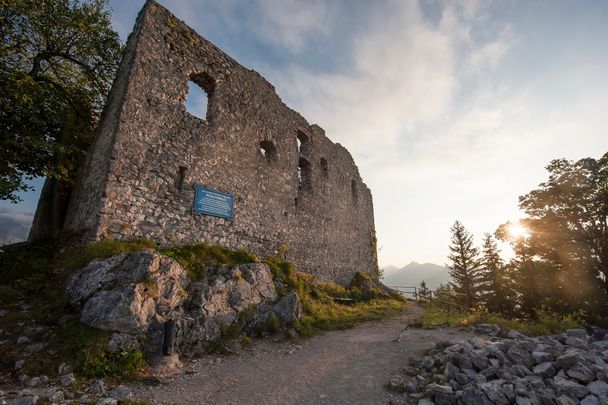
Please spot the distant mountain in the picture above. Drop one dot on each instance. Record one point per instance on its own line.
(414, 273)
(390, 270)
(14, 225)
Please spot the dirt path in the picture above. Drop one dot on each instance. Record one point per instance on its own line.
(342, 367)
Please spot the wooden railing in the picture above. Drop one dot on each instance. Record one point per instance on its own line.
(427, 296)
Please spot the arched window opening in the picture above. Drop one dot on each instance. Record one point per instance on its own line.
(200, 92)
(303, 142)
(268, 150)
(304, 182)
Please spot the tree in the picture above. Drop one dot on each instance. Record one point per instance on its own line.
(57, 62)
(464, 267)
(496, 286)
(563, 264)
(423, 291)
(568, 223)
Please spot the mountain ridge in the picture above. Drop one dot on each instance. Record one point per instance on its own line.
(412, 274)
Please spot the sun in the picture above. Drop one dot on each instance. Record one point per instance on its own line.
(517, 230)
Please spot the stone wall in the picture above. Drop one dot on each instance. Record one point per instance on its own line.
(149, 151)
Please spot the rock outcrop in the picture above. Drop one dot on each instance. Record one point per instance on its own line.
(128, 293)
(567, 368)
(135, 294)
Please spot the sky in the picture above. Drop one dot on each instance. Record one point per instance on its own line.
(451, 109)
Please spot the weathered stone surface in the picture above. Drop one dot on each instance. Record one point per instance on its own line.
(222, 300)
(442, 389)
(598, 388)
(566, 386)
(93, 278)
(576, 376)
(565, 400)
(127, 309)
(120, 392)
(125, 293)
(541, 357)
(149, 151)
(590, 400)
(545, 370)
(568, 360)
(581, 373)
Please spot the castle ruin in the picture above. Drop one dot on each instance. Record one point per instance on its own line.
(252, 174)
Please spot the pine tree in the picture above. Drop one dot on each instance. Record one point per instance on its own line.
(497, 291)
(465, 265)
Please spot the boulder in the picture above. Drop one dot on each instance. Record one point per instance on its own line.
(97, 275)
(288, 309)
(125, 309)
(129, 291)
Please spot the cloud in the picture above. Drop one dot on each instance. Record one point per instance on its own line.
(291, 23)
(19, 216)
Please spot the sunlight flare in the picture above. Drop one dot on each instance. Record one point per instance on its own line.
(517, 230)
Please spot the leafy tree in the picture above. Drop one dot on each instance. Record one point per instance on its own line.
(57, 62)
(497, 292)
(563, 263)
(465, 265)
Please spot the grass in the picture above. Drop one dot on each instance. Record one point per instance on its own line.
(87, 347)
(321, 310)
(32, 280)
(546, 323)
(197, 259)
(33, 276)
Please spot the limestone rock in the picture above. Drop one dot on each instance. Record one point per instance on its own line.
(288, 309)
(545, 370)
(126, 309)
(93, 278)
(120, 392)
(126, 292)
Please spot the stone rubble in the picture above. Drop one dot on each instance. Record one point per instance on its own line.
(567, 368)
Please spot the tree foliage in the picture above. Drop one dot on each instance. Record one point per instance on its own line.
(464, 266)
(496, 284)
(57, 62)
(563, 264)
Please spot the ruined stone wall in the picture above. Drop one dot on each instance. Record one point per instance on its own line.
(138, 178)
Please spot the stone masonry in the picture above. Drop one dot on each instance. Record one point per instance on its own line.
(292, 186)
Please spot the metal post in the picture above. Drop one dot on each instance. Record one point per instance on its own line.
(169, 338)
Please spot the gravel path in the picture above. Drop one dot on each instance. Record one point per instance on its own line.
(341, 367)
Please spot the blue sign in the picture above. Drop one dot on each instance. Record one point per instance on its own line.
(212, 202)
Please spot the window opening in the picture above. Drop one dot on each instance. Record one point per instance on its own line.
(324, 168)
(303, 142)
(353, 190)
(200, 91)
(304, 182)
(181, 177)
(268, 150)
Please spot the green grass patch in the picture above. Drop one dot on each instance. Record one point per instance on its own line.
(197, 259)
(78, 257)
(546, 322)
(87, 348)
(322, 312)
